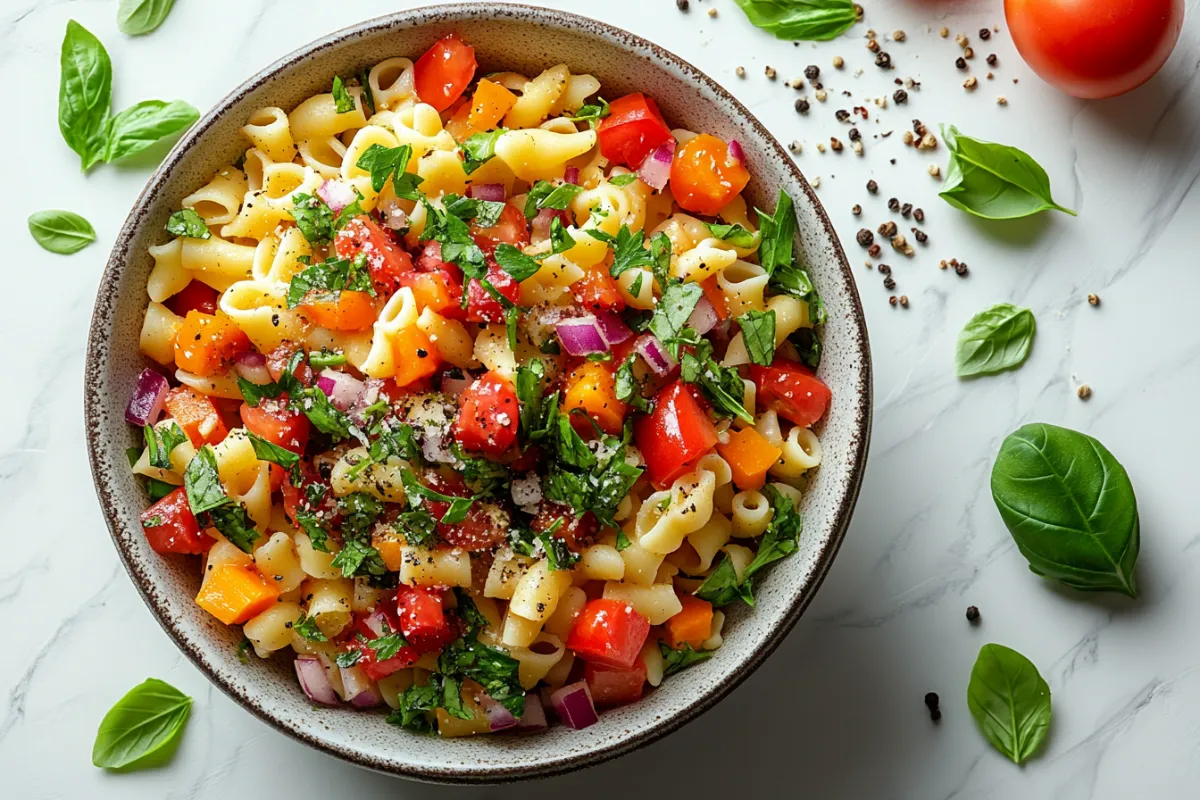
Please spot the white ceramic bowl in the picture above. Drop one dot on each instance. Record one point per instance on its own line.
(505, 37)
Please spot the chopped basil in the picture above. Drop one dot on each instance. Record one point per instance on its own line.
(545, 194)
(598, 488)
(415, 703)
(722, 386)
(592, 113)
(454, 235)
(188, 223)
(254, 393)
(313, 217)
(358, 558)
(418, 492)
(387, 645)
(758, 333)
(156, 490)
(808, 345)
(418, 527)
(364, 80)
(348, 658)
(629, 249)
(392, 439)
(318, 536)
(622, 540)
(243, 650)
(269, 451)
(520, 266)
(677, 660)
(777, 231)
(202, 482)
(628, 388)
(494, 669)
(348, 213)
(560, 240)
(480, 148)
(359, 511)
(234, 522)
(623, 180)
(722, 586)
(781, 539)
(306, 626)
(676, 305)
(736, 235)
(324, 416)
(325, 281)
(391, 162)
(343, 101)
(558, 555)
(635, 288)
(160, 442)
(512, 315)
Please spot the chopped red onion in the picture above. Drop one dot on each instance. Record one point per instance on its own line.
(581, 336)
(656, 356)
(655, 171)
(571, 175)
(612, 327)
(252, 366)
(342, 388)
(534, 718)
(573, 704)
(337, 195)
(377, 622)
(541, 222)
(314, 681)
(491, 192)
(360, 691)
(455, 386)
(736, 152)
(499, 717)
(704, 317)
(146, 400)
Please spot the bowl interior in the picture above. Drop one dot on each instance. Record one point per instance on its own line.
(526, 40)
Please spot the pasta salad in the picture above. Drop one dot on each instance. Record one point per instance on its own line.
(482, 395)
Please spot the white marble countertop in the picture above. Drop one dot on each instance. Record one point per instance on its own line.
(837, 712)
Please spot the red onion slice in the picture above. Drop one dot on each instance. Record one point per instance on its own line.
(252, 366)
(313, 680)
(360, 691)
(146, 400)
(343, 389)
(571, 175)
(581, 336)
(499, 717)
(704, 317)
(573, 704)
(612, 327)
(534, 718)
(337, 195)
(655, 171)
(492, 192)
(656, 356)
(541, 222)
(736, 152)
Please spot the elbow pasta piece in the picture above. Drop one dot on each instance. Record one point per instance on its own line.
(157, 339)
(492, 350)
(318, 116)
(506, 571)
(237, 463)
(355, 345)
(257, 498)
(641, 565)
(420, 566)
(264, 208)
(280, 258)
(702, 261)
(715, 639)
(560, 673)
(380, 480)
(684, 231)
(538, 591)
(278, 561)
(751, 514)
(442, 173)
(330, 604)
(394, 685)
(744, 286)
(450, 338)
(768, 426)
(272, 629)
(269, 131)
(538, 97)
(537, 659)
(707, 542)
(217, 262)
(579, 88)
(420, 127)
(316, 563)
(400, 312)
(366, 596)
(602, 562)
(168, 277)
(219, 384)
(391, 82)
(323, 155)
(569, 605)
(790, 492)
(260, 309)
(801, 452)
(691, 505)
(355, 175)
(224, 553)
(255, 163)
(539, 154)
(791, 314)
(657, 603)
(518, 631)
(218, 201)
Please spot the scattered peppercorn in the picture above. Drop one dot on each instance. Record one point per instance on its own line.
(1094, 299)
(962, 40)
(865, 237)
(872, 186)
(795, 146)
(887, 229)
(874, 250)
(740, 72)
(873, 45)
(842, 115)
(920, 235)
(906, 210)
(820, 94)
(969, 53)
(802, 105)
(1002, 100)
(985, 34)
(960, 269)
(960, 62)
(859, 12)
(904, 301)
(944, 32)
(919, 214)
(682, 5)
(854, 134)
(838, 62)
(796, 83)
(928, 142)
(931, 702)
(908, 137)
(883, 61)
(972, 614)
(992, 60)
(970, 83)
(712, 12)
(770, 72)
(889, 283)
(919, 128)
(812, 72)
(935, 171)
(1084, 392)
(900, 97)
(857, 211)
(901, 244)
(835, 143)
(885, 269)
(892, 300)
(893, 204)
(899, 36)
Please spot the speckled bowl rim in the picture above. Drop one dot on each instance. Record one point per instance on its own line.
(97, 356)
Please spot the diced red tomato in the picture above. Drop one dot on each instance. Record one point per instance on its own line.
(483, 528)
(674, 435)
(446, 69)
(481, 305)
(792, 389)
(170, 526)
(277, 361)
(578, 530)
(386, 260)
(196, 296)
(296, 496)
(609, 633)
(597, 291)
(487, 415)
(423, 618)
(278, 424)
(632, 130)
(361, 635)
(510, 228)
(705, 177)
(615, 687)
(196, 415)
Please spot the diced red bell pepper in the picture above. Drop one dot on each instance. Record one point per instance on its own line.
(423, 620)
(792, 389)
(615, 687)
(196, 296)
(488, 414)
(482, 306)
(675, 435)
(171, 527)
(632, 130)
(510, 228)
(609, 633)
(278, 424)
(385, 259)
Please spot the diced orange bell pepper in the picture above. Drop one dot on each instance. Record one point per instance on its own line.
(716, 296)
(197, 415)
(415, 356)
(487, 107)
(430, 291)
(352, 311)
(693, 624)
(388, 543)
(233, 593)
(749, 456)
(205, 341)
(592, 388)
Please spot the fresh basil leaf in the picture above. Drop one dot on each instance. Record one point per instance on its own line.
(561, 196)
(994, 181)
(269, 451)
(137, 17)
(388, 645)
(84, 94)
(736, 235)
(328, 279)
(368, 96)
(558, 555)
(1070, 507)
(348, 658)
(454, 235)
(722, 586)
(452, 698)
(1010, 701)
(306, 626)
(235, 524)
(815, 20)
(479, 149)
(390, 163)
(570, 448)
(534, 197)
(313, 218)
(629, 249)
(487, 212)
(512, 316)
(996, 339)
(156, 490)
(143, 728)
(520, 266)
(415, 704)
(622, 540)
(343, 101)
(678, 660)
(623, 180)
(358, 558)
(808, 345)
(758, 333)
(62, 232)
(530, 398)
(418, 492)
(660, 260)
(676, 305)
(628, 388)
(635, 288)
(560, 240)
(244, 648)
(782, 537)
(358, 511)
(418, 527)
(348, 213)
(599, 488)
(142, 124)
(777, 231)
(152, 522)
(592, 113)
(494, 669)
(187, 222)
(202, 482)
(324, 416)
(318, 536)
(722, 386)
(160, 443)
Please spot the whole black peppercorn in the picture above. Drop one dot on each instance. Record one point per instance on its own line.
(872, 186)
(960, 269)
(919, 214)
(960, 62)
(920, 235)
(888, 229)
(985, 34)
(992, 60)
(865, 238)
(801, 105)
(857, 211)
(889, 283)
(812, 72)
(885, 269)
(919, 128)
(893, 204)
(900, 97)
(906, 210)
(972, 614)
(883, 61)
(874, 250)
(932, 703)
(854, 134)
(842, 115)
(682, 5)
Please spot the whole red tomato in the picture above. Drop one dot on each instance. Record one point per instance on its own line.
(1095, 48)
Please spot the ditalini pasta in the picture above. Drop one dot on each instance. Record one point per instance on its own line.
(476, 392)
